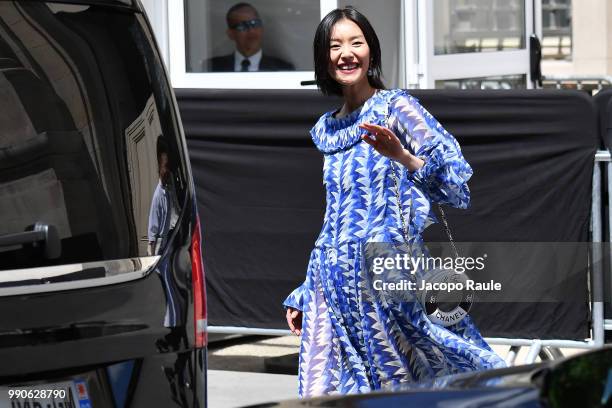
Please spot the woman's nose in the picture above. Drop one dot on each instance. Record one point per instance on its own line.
(346, 54)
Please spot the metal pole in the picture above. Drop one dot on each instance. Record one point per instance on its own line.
(609, 245)
(512, 353)
(597, 275)
(248, 330)
(550, 353)
(544, 343)
(533, 352)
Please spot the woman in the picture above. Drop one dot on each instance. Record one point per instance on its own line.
(352, 341)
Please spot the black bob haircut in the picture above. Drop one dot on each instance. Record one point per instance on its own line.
(324, 81)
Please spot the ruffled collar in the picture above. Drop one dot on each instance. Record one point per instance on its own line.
(332, 135)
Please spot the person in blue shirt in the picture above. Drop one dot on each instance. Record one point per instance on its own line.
(352, 339)
(163, 217)
(164, 205)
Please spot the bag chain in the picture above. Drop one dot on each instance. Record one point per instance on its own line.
(403, 220)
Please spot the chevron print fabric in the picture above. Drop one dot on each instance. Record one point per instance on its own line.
(353, 339)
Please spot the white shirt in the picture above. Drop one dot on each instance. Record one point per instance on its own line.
(253, 59)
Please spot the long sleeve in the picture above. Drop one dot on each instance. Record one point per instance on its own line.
(445, 173)
(296, 298)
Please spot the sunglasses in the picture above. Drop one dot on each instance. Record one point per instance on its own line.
(247, 25)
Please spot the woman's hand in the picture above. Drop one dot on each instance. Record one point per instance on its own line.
(388, 144)
(294, 320)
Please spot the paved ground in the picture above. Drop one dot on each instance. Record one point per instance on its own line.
(230, 389)
(240, 370)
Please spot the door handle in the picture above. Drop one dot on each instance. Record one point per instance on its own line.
(35, 235)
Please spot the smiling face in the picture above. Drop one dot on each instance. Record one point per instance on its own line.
(349, 54)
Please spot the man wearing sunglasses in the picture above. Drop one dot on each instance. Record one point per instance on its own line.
(245, 29)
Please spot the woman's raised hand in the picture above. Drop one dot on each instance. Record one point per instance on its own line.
(389, 145)
(386, 142)
(294, 320)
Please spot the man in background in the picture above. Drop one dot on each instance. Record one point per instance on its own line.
(164, 210)
(245, 29)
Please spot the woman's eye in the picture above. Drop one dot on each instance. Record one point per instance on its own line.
(357, 44)
(334, 47)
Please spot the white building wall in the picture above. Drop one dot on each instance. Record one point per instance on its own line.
(591, 38)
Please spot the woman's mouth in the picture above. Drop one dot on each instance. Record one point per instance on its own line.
(348, 68)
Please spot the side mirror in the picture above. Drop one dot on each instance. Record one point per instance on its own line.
(582, 381)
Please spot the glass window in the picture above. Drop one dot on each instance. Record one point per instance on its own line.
(87, 134)
(557, 29)
(492, 82)
(271, 35)
(462, 26)
(387, 24)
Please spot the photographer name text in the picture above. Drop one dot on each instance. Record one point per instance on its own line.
(469, 284)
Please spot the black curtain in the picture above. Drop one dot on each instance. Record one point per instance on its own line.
(259, 186)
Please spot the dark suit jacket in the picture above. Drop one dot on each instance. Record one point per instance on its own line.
(267, 63)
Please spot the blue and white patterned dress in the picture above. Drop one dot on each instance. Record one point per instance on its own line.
(351, 341)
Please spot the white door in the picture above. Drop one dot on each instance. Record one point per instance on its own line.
(471, 44)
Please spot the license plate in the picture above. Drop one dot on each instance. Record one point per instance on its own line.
(67, 394)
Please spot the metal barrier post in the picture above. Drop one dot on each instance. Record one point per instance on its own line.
(512, 353)
(534, 350)
(608, 322)
(597, 265)
(578, 80)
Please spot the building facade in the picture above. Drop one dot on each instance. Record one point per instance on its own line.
(425, 43)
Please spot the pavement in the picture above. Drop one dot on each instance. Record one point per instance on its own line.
(247, 370)
(230, 389)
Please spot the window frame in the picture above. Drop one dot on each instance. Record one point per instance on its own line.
(470, 65)
(226, 80)
(540, 23)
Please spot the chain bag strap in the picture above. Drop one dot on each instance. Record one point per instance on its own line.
(403, 219)
(429, 298)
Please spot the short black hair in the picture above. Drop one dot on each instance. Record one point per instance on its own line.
(162, 147)
(321, 46)
(237, 7)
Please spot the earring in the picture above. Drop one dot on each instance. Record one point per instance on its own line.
(370, 72)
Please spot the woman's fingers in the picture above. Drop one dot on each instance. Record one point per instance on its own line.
(372, 141)
(370, 128)
(366, 138)
(290, 320)
(385, 142)
(294, 320)
(380, 132)
(297, 322)
(375, 128)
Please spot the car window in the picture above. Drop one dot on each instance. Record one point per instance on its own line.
(88, 137)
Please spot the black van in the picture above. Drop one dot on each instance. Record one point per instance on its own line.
(102, 297)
